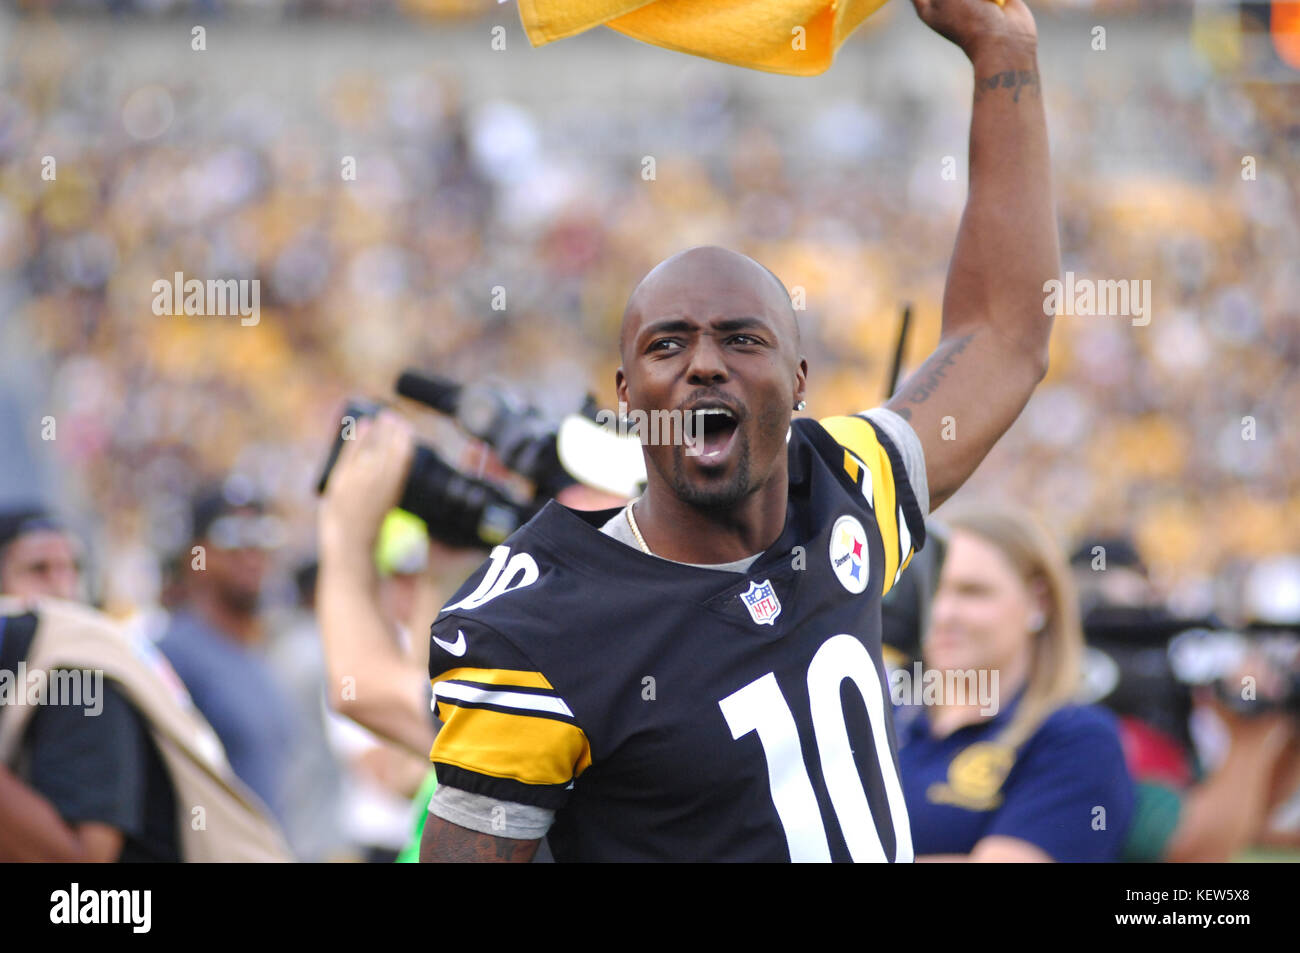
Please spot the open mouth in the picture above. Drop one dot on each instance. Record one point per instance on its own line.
(714, 433)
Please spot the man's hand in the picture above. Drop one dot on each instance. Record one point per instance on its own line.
(975, 25)
(366, 483)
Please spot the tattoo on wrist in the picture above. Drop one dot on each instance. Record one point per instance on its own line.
(1014, 79)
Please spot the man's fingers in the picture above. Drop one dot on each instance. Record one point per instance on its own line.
(364, 449)
(381, 434)
(351, 447)
(393, 437)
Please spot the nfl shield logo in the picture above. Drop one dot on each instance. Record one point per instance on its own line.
(762, 603)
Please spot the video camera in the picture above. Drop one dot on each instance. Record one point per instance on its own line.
(1217, 657)
(1145, 662)
(468, 511)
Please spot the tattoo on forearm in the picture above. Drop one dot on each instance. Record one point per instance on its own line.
(448, 843)
(1016, 79)
(919, 389)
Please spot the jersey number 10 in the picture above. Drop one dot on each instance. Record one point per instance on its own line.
(761, 707)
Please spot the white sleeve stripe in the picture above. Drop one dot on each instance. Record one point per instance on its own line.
(904, 544)
(868, 488)
(547, 703)
(904, 536)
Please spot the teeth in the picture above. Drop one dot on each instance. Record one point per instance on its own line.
(715, 410)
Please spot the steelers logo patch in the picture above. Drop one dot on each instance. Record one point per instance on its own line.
(849, 554)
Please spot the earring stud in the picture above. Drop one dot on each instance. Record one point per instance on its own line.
(801, 405)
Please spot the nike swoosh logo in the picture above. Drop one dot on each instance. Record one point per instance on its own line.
(455, 648)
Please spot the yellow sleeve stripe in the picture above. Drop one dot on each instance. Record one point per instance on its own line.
(886, 520)
(521, 748)
(851, 466)
(858, 437)
(854, 434)
(496, 676)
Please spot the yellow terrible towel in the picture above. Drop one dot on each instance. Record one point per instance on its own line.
(798, 37)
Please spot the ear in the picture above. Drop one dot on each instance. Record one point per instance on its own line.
(1040, 597)
(801, 380)
(620, 386)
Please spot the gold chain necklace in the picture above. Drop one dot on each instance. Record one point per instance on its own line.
(631, 521)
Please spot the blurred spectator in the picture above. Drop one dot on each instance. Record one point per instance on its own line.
(312, 775)
(1023, 774)
(86, 777)
(38, 556)
(214, 639)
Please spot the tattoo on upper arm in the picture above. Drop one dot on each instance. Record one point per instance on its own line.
(918, 389)
(1016, 79)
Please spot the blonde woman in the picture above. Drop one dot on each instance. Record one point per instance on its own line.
(997, 762)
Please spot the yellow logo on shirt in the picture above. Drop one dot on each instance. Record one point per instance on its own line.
(975, 777)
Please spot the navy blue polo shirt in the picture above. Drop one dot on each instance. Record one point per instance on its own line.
(1067, 790)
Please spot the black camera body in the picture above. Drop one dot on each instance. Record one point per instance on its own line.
(462, 510)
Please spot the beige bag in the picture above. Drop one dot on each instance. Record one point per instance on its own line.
(219, 818)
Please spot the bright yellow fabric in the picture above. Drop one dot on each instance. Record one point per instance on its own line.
(521, 747)
(759, 34)
(860, 443)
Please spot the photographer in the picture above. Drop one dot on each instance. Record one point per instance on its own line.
(1181, 814)
(1225, 813)
(372, 679)
(377, 465)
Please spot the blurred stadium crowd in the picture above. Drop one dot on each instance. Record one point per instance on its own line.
(1137, 431)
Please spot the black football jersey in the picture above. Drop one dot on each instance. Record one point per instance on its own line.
(669, 712)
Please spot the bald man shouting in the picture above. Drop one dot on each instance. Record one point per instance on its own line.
(697, 675)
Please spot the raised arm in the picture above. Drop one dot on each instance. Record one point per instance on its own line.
(992, 350)
(386, 693)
